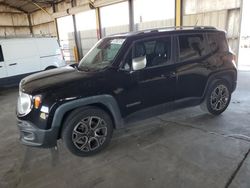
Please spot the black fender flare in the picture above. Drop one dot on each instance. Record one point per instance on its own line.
(107, 100)
(228, 75)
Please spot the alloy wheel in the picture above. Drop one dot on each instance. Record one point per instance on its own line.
(90, 133)
(219, 97)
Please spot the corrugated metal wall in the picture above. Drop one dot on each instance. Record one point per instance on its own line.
(13, 22)
(43, 23)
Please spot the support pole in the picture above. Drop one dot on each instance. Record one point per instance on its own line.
(178, 13)
(78, 48)
(55, 21)
(131, 14)
(77, 51)
(30, 24)
(98, 23)
(56, 26)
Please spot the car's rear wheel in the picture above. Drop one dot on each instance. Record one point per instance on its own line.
(87, 131)
(218, 98)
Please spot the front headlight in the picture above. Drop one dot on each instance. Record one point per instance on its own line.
(24, 104)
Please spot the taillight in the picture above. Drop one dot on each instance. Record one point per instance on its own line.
(229, 57)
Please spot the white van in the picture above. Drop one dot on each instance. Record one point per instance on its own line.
(20, 57)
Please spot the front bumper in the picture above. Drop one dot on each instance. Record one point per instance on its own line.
(234, 86)
(31, 135)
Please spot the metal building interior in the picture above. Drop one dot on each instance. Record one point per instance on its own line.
(183, 148)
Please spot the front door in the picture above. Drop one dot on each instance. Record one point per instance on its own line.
(153, 85)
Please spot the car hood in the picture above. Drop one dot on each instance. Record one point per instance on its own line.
(53, 79)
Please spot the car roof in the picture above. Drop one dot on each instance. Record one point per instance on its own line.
(166, 30)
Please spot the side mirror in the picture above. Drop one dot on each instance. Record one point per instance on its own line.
(139, 63)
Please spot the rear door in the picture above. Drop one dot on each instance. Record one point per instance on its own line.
(21, 57)
(192, 65)
(3, 72)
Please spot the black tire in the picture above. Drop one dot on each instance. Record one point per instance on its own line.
(87, 131)
(215, 102)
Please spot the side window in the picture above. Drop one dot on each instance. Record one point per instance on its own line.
(217, 42)
(1, 54)
(150, 46)
(156, 51)
(191, 47)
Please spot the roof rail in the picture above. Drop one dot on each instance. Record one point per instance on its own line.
(154, 30)
(175, 28)
(204, 27)
(25, 36)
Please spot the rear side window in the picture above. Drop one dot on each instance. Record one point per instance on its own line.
(191, 47)
(1, 54)
(217, 42)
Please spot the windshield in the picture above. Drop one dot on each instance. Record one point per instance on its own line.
(102, 54)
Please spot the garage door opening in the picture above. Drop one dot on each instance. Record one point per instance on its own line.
(86, 30)
(244, 50)
(114, 19)
(66, 38)
(153, 14)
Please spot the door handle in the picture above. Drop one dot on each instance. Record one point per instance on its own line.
(170, 75)
(12, 64)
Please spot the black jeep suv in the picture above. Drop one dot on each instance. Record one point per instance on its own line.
(126, 75)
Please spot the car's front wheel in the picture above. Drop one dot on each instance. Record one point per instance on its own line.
(218, 98)
(87, 131)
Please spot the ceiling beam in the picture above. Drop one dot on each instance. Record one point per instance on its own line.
(8, 5)
(29, 2)
(26, 3)
(35, 4)
(48, 6)
(16, 26)
(9, 12)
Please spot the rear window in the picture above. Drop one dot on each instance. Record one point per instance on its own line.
(217, 42)
(1, 54)
(191, 47)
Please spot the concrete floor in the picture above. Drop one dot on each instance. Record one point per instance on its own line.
(185, 148)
